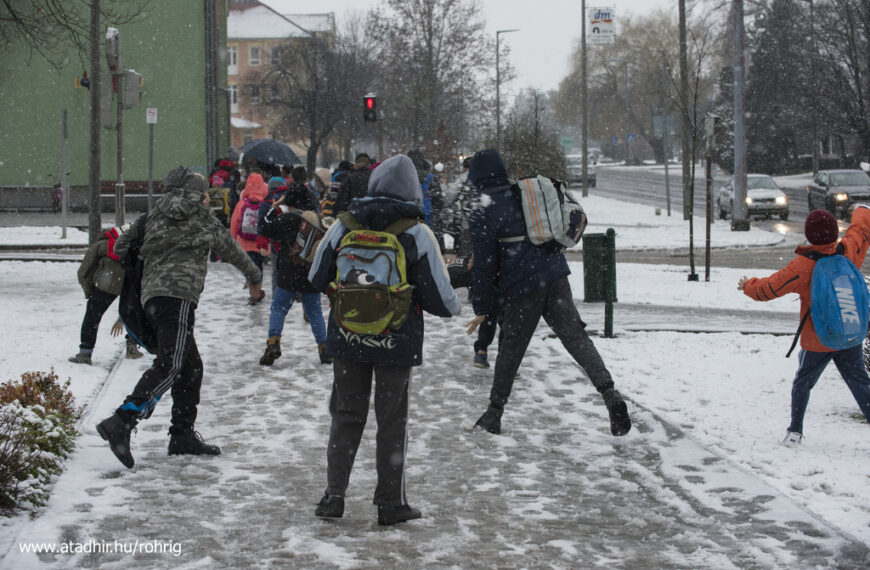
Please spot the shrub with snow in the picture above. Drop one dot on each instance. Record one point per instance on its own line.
(37, 432)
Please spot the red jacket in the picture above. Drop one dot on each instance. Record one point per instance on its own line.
(796, 277)
(257, 190)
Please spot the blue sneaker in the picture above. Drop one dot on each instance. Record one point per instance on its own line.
(480, 360)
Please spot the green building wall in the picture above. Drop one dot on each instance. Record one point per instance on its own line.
(167, 46)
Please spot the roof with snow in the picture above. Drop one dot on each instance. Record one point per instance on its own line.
(252, 20)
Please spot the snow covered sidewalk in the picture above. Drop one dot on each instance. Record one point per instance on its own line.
(701, 481)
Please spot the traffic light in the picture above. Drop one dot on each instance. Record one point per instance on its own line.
(370, 108)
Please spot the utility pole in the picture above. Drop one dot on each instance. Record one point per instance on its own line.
(739, 214)
(685, 122)
(584, 104)
(94, 214)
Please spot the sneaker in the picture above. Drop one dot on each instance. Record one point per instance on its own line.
(620, 423)
(392, 515)
(324, 358)
(792, 439)
(116, 430)
(133, 351)
(490, 420)
(273, 351)
(330, 507)
(480, 360)
(191, 443)
(81, 358)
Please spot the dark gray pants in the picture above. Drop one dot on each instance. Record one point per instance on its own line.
(521, 316)
(349, 407)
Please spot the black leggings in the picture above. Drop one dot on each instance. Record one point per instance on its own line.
(98, 303)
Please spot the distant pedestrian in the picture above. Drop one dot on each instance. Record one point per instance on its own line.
(821, 231)
(175, 237)
(433, 197)
(355, 185)
(533, 282)
(245, 222)
(393, 206)
(101, 277)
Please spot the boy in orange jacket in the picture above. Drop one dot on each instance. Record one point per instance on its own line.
(821, 231)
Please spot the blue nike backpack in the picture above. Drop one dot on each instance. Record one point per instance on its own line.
(840, 302)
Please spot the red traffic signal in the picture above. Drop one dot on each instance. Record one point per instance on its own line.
(370, 108)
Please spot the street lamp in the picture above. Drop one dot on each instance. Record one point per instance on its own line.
(815, 124)
(497, 86)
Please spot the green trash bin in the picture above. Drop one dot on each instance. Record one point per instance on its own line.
(599, 267)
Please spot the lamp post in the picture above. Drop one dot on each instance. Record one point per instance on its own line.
(497, 87)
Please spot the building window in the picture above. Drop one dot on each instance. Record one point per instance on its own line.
(254, 59)
(234, 98)
(276, 55)
(232, 60)
(247, 136)
(275, 92)
(255, 94)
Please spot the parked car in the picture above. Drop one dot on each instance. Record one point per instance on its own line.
(836, 190)
(763, 198)
(575, 169)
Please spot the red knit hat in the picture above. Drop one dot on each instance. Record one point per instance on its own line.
(821, 227)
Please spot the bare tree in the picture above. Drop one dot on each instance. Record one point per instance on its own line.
(531, 140)
(435, 58)
(315, 88)
(50, 27)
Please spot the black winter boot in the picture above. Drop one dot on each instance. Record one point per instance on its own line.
(392, 515)
(620, 423)
(491, 419)
(191, 443)
(116, 430)
(330, 507)
(273, 351)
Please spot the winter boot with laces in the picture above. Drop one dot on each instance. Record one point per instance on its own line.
(330, 507)
(116, 430)
(391, 515)
(324, 358)
(81, 358)
(133, 351)
(191, 443)
(620, 423)
(491, 419)
(273, 351)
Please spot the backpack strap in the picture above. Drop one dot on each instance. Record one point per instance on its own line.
(349, 221)
(512, 239)
(402, 225)
(815, 256)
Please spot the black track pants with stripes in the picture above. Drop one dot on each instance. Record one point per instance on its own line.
(177, 366)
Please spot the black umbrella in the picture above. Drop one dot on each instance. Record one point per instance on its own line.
(269, 152)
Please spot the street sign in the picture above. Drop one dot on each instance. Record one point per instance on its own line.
(151, 115)
(601, 29)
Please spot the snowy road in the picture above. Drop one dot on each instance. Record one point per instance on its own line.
(555, 490)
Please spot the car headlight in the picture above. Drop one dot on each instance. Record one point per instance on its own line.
(748, 201)
(781, 201)
(841, 197)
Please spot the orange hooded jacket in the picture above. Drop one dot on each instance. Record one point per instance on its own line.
(796, 277)
(255, 189)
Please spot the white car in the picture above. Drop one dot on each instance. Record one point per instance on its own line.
(575, 169)
(763, 198)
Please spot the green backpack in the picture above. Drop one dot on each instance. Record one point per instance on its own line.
(371, 293)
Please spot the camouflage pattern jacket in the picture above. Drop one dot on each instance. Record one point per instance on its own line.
(177, 236)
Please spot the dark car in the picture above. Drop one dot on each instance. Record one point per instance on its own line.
(763, 198)
(836, 190)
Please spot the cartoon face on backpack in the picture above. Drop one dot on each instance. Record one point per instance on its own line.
(358, 277)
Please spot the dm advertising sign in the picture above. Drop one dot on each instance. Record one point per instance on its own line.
(600, 26)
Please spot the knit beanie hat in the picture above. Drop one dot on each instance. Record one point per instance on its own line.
(821, 227)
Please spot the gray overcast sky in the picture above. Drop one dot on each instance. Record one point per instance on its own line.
(539, 51)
